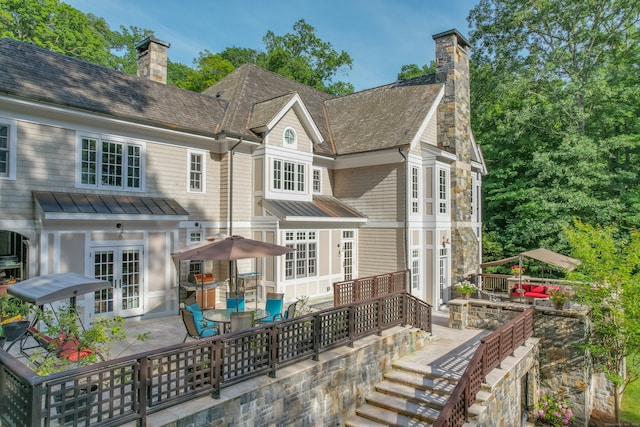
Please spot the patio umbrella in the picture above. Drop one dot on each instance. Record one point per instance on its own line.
(230, 249)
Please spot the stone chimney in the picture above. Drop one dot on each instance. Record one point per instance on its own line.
(152, 59)
(454, 133)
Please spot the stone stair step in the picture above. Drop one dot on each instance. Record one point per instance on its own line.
(427, 397)
(409, 408)
(388, 418)
(358, 421)
(437, 385)
(425, 370)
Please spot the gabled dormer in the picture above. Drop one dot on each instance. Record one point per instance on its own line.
(289, 136)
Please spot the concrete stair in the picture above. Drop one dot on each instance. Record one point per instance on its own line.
(409, 395)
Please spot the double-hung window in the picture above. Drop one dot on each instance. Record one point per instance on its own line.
(196, 172)
(107, 163)
(8, 149)
(415, 190)
(289, 176)
(303, 261)
(317, 181)
(4, 151)
(442, 191)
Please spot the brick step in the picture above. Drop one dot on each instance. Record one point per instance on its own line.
(386, 417)
(409, 408)
(418, 381)
(426, 397)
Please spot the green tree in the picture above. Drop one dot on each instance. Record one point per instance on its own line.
(410, 71)
(610, 270)
(210, 68)
(304, 57)
(241, 55)
(554, 95)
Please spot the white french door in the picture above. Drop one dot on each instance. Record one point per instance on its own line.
(443, 276)
(347, 254)
(122, 267)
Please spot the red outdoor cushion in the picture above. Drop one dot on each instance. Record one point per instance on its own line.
(539, 289)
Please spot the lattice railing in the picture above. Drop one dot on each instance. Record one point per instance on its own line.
(127, 389)
(365, 288)
(493, 349)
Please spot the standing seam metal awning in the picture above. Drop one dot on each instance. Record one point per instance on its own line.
(58, 204)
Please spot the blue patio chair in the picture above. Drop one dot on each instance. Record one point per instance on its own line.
(273, 306)
(198, 317)
(195, 329)
(235, 300)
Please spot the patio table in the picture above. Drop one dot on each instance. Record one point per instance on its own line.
(223, 315)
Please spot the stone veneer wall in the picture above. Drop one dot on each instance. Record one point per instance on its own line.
(564, 366)
(304, 394)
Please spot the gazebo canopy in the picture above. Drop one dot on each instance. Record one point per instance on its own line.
(540, 254)
(55, 287)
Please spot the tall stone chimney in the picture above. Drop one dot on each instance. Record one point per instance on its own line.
(454, 133)
(152, 59)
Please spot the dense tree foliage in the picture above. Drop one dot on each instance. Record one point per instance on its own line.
(611, 288)
(555, 90)
(410, 71)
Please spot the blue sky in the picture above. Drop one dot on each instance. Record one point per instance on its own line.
(379, 35)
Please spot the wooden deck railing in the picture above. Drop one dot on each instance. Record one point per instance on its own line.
(364, 288)
(493, 349)
(127, 389)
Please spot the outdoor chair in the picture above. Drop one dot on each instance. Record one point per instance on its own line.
(241, 320)
(193, 330)
(273, 306)
(291, 311)
(235, 300)
(198, 317)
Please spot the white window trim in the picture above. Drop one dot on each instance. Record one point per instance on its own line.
(447, 189)
(415, 193)
(203, 172)
(296, 182)
(12, 143)
(115, 139)
(313, 180)
(294, 144)
(292, 256)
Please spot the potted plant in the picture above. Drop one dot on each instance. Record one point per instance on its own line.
(91, 344)
(517, 270)
(558, 297)
(466, 288)
(12, 312)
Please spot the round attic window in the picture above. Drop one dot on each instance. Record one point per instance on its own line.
(289, 136)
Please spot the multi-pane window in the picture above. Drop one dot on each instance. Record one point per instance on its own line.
(442, 191)
(289, 176)
(196, 172)
(195, 267)
(317, 181)
(289, 136)
(415, 191)
(302, 262)
(4, 150)
(110, 164)
(415, 268)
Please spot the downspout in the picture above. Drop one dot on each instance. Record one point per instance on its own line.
(406, 228)
(232, 266)
(230, 192)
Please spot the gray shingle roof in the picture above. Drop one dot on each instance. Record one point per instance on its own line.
(30, 72)
(249, 85)
(380, 118)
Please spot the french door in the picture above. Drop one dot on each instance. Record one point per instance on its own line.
(348, 255)
(443, 276)
(122, 267)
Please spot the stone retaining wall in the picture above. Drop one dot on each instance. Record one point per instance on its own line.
(304, 394)
(564, 366)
